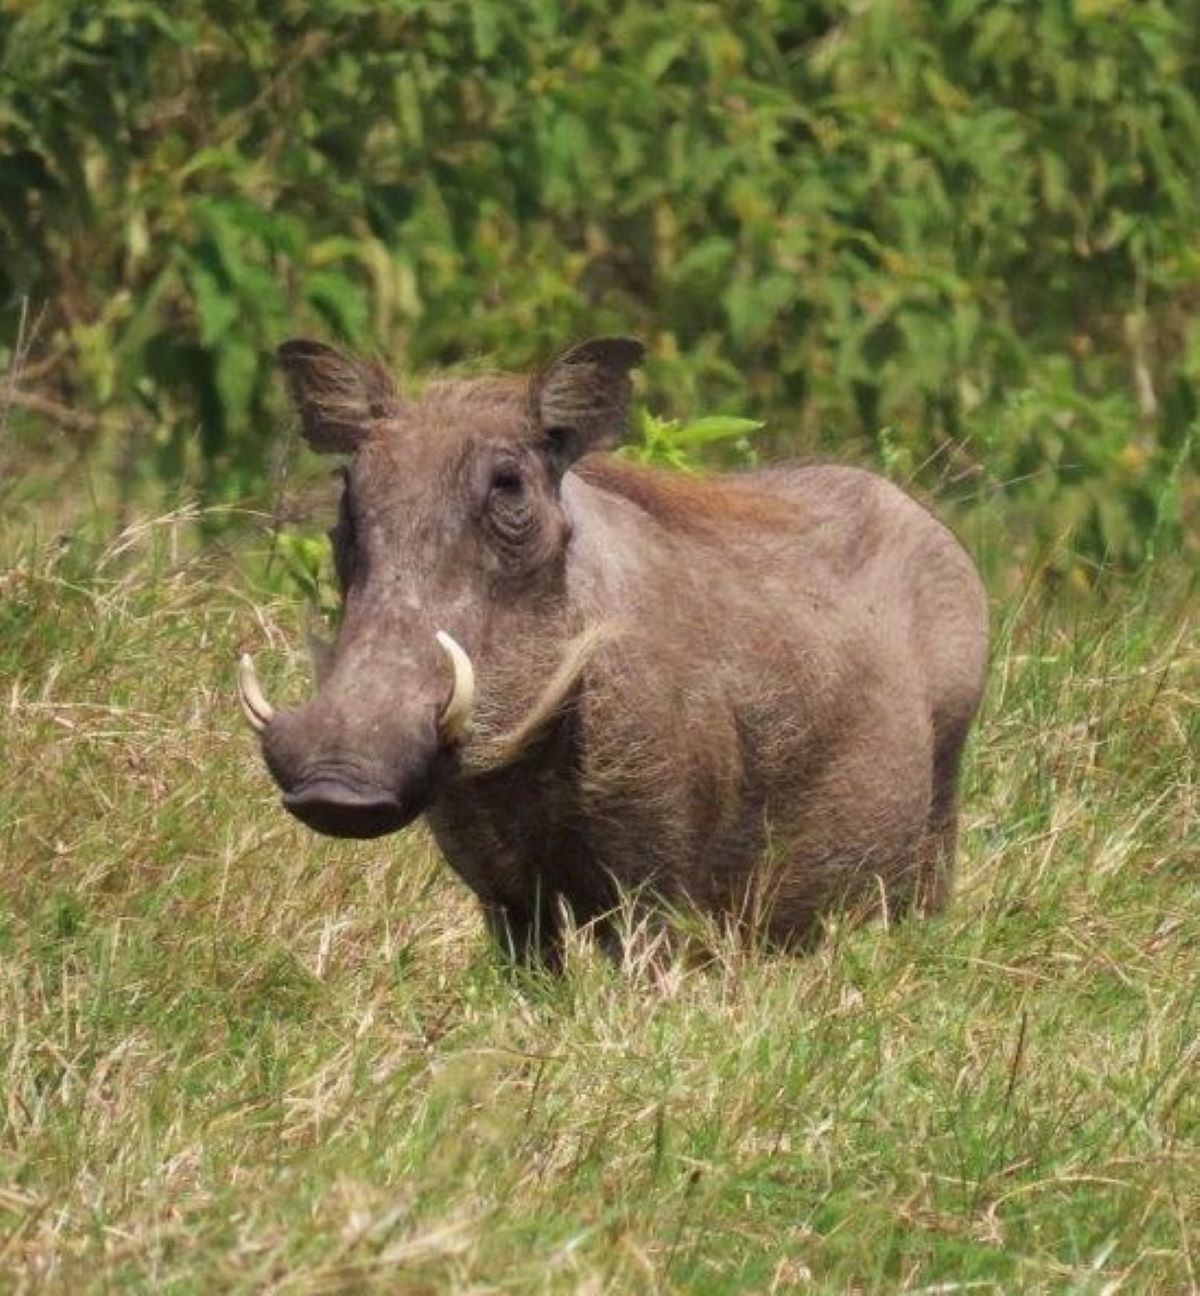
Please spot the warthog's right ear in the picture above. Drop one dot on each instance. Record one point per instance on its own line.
(581, 400)
(337, 396)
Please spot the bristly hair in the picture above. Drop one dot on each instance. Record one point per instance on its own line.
(687, 502)
(492, 748)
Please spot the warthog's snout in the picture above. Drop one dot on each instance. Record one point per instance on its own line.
(350, 776)
(341, 809)
(365, 777)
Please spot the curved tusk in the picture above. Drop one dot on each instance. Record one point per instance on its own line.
(455, 720)
(258, 711)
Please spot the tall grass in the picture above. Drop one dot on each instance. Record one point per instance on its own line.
(236, 1057)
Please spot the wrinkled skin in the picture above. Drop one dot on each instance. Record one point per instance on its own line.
(766, 720)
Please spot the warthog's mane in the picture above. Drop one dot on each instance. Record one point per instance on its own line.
(690, 503)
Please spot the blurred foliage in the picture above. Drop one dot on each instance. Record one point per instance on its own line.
(961, 237)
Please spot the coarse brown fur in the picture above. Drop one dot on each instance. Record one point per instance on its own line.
(745, 694)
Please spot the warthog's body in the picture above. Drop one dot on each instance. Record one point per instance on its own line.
(747, 694)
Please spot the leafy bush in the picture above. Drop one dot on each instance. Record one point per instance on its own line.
(963, 238)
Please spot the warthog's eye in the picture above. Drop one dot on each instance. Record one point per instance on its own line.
(507, 481)
(509, 509)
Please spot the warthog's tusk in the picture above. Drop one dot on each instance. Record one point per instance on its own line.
(455, 719)
(257, 709)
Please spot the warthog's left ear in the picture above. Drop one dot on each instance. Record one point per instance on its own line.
(338, 397)
(581, 400)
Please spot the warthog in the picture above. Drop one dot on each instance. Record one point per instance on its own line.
(746, 695)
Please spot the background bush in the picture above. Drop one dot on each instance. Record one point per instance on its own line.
(961, 237)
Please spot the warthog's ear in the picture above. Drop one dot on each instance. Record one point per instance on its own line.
(581, 400)
(338, 397)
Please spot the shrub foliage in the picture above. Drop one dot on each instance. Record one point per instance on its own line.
(963, 237)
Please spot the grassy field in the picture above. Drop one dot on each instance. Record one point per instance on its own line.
(235, 1057)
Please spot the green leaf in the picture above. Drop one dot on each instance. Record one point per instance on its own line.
(216, 302)
(716, 427)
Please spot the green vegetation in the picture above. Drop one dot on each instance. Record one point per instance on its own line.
(236, 1057)
(957, 240)
(963, 238)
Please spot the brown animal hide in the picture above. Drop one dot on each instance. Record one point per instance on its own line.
(744, 694)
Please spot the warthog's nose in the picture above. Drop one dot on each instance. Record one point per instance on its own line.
(330, 806)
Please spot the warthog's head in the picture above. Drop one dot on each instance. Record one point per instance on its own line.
(450, 543)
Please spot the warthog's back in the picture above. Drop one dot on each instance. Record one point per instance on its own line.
(897, 565)
(845, 560)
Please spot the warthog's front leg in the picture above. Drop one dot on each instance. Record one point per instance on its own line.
(530, 936)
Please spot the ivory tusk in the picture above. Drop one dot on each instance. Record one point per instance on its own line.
(455, 720)
(258, 711)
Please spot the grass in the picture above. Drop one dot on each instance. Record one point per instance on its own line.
(235, 1057)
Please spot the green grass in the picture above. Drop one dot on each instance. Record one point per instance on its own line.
(235, 1057)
